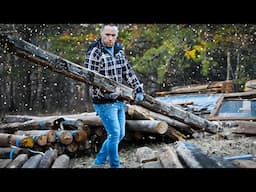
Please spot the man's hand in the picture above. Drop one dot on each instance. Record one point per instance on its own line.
(139, 97)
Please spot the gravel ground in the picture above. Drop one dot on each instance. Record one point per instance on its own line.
(226, 144)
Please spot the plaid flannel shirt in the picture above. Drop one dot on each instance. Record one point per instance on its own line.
(115, 67)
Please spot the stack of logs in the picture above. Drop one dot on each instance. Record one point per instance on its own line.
(36, 137)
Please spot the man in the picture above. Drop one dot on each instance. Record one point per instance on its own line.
(107, 58)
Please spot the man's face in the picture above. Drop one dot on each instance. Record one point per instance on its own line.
(109, 36)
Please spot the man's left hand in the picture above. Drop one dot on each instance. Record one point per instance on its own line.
(139, 97)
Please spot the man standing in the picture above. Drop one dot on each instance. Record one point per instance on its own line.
(107, 58)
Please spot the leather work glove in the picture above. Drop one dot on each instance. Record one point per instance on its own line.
(139, 97)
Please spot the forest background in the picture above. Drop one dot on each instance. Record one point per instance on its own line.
(162, 55)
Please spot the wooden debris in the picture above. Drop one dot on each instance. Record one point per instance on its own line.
(169, 159)
(193, 157)
(145, 154)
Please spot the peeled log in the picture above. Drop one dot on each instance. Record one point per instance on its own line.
(48, 158)
(62, 161)
(18, 161)
(152, 126)
(33, 161)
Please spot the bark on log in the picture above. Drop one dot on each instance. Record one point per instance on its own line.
(48, 158)
(18, 161)
(28, 125)
(194, 157)
(61, 161)
(5, 140)
(67, 68)
(151, 126)
(11, 152)
(33, 161)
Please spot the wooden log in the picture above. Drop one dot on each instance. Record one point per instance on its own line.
(61, 161)
(33, 161)
(21, 141)
(79, 135)
(64, 137)
(41, 137)
(193, 157)
(5, 140)
(71, 124)
(69, 69)
(151, 126)
(5, 162)
(169, 159)
(11, 152)
(48, 158)
(18, 161)
(139, 112)
(28, 125)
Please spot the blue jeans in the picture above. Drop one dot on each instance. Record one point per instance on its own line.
(113, 119)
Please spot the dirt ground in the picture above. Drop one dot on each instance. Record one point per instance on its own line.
(218, 145)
